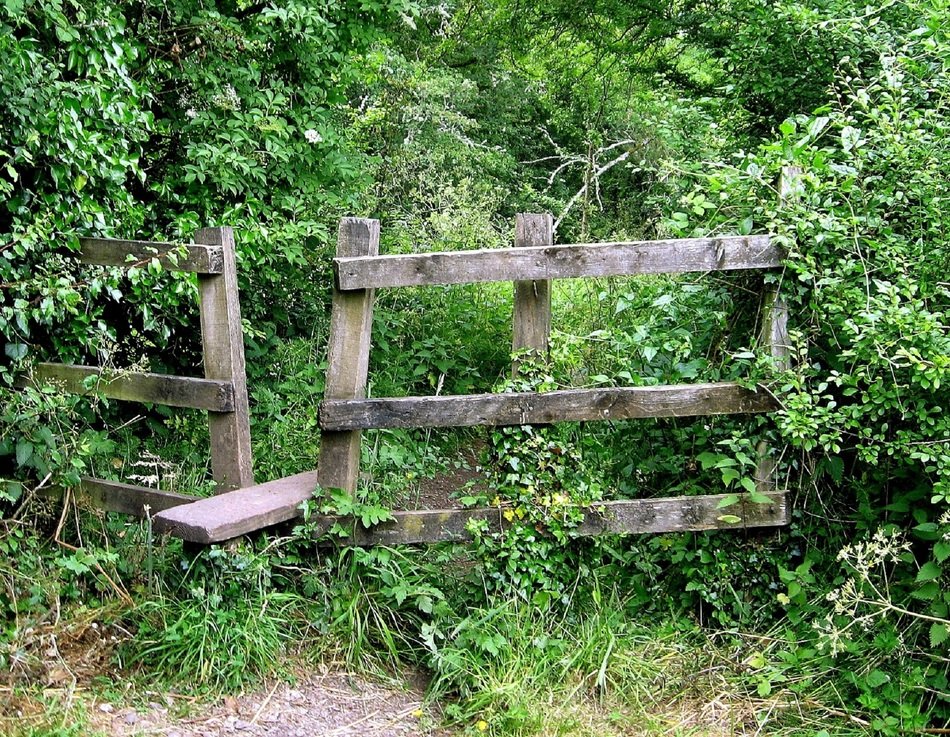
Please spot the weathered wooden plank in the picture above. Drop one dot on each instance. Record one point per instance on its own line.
(616, 403)
(559, 262)
(531, 317)
(202, 259)
(222, 341)
(351, 324)
(223, 517)
(628, 516)
(773, 335)
(239, 512)
(774, 331)
(114, 496)
(172, 391)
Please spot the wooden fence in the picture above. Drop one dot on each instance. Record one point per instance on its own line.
(242, 506)
(222, 392)
(534, 261)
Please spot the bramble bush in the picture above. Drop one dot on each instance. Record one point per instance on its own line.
(866, 229)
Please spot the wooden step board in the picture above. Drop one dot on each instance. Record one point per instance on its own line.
(235, 513)
(223, 517)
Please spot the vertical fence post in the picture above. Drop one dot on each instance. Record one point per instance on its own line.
(532, 311)
(351, 323)
(223, 347)
(773, 335)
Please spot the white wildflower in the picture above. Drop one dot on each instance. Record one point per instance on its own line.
(191, 113)
(312, 136)
(228, 99)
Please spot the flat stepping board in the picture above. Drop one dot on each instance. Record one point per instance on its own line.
(235, 513)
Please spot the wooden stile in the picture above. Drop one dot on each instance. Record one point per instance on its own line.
(722, 253)
(202, 259)
(223, 348)
(351, 324)
(346, 412)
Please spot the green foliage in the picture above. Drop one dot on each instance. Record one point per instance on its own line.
(865, 277)
(541, 485)
(866, 285)
(145, 120)
(225, 627)
(46, 437)
(626, 120)
(284, 388)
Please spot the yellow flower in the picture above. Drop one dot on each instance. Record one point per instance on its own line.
(481, 725)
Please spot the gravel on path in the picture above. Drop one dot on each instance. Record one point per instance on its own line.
(320, 704)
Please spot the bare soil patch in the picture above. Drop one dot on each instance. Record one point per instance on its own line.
(323, 703)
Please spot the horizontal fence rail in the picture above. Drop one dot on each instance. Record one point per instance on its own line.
(622, 517)
(172, 391)
(139, 501)
(191, 257)
(559, 262)
(529, 408)
(223, 517)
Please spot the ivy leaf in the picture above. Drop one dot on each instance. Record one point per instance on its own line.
(16, 351)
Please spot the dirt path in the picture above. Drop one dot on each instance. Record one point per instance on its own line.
(327, 704)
